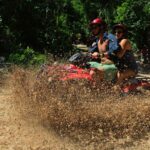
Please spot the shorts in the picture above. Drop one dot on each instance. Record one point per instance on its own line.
(110, 70)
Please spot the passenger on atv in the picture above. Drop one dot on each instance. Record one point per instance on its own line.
(126, 64)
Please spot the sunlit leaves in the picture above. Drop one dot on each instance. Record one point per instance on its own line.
(136, 15)
(147, 8)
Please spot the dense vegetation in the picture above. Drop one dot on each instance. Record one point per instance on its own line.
(51, 26)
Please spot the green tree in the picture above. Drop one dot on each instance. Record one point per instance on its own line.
(136, 15)
(42, 25)
(101, 8)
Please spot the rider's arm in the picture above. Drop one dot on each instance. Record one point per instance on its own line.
(125, 45)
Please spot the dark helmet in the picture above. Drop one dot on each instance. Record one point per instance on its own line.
(121, 26)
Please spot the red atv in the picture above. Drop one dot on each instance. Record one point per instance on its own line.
(80, 69)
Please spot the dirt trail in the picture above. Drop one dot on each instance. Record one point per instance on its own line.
(18, 133)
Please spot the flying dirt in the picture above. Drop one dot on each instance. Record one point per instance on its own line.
(36, 114)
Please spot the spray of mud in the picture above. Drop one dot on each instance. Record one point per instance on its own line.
(89, 116)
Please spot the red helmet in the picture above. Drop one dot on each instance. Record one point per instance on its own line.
(122, 26)
(97, 21)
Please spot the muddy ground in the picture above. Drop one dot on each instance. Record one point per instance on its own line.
(27, 132)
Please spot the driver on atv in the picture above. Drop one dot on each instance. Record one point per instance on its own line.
(106, 47)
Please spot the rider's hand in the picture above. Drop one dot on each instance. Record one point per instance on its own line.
(106, 55)
(95, 55)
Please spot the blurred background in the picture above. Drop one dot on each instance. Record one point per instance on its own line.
(32, 29)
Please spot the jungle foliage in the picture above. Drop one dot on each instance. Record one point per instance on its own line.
(52, 26)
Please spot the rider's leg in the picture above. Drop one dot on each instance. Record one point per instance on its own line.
(125, 75)
(100, 73)
(97, 74)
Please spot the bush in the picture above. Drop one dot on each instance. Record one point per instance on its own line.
(27, 57)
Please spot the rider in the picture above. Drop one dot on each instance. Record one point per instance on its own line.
(126, 63)
(105, 45)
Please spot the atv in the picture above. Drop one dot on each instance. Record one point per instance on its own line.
(79, 69)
